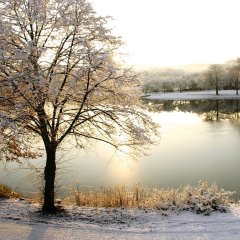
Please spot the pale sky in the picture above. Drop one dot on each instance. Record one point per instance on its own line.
(175, 32)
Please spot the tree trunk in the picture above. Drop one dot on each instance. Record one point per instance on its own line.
(49, 177)
(216, 84)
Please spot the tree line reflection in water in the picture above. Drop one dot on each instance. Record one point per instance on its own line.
(209, 110)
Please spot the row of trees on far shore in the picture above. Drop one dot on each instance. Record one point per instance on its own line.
(216, 76)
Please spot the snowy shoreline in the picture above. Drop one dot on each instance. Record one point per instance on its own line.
(199, 95)
(20, 219)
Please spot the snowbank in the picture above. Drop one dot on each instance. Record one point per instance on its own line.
(200, 95)
(20, 219)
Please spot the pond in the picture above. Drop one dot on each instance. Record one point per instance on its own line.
(200, 140)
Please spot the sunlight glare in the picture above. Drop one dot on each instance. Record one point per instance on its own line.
(176, 117)
(173, 32)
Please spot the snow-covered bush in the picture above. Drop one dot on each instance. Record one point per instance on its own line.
(202, 198)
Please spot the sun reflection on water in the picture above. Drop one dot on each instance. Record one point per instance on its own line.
(176, 117)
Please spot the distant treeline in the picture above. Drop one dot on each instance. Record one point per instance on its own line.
(217, 77)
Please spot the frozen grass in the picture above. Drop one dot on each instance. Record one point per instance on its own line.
(202, 198)
(6, 192)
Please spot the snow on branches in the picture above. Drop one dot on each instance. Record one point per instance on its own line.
(58, 76)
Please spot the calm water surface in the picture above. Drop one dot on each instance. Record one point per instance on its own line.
(200, 140)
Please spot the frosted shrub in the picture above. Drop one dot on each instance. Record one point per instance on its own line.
(202, 198)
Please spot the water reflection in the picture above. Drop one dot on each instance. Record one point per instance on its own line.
(210, 110)
(199, 141)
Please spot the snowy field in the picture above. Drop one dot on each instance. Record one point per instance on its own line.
(200, 95)
(20, 219)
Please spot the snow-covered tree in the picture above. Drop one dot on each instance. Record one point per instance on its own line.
(59, 81)
(234, 71)
(214, 74)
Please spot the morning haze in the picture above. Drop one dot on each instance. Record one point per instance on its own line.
(119, 127)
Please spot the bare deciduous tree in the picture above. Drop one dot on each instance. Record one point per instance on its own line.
(213, 74)
(60, 81)
(234, 70)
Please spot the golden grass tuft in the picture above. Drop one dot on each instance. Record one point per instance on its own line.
(6, 192)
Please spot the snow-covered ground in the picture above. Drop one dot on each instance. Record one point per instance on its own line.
(223, 94)
(20, 219)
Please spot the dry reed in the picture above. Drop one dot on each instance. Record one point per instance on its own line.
(199, 198)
